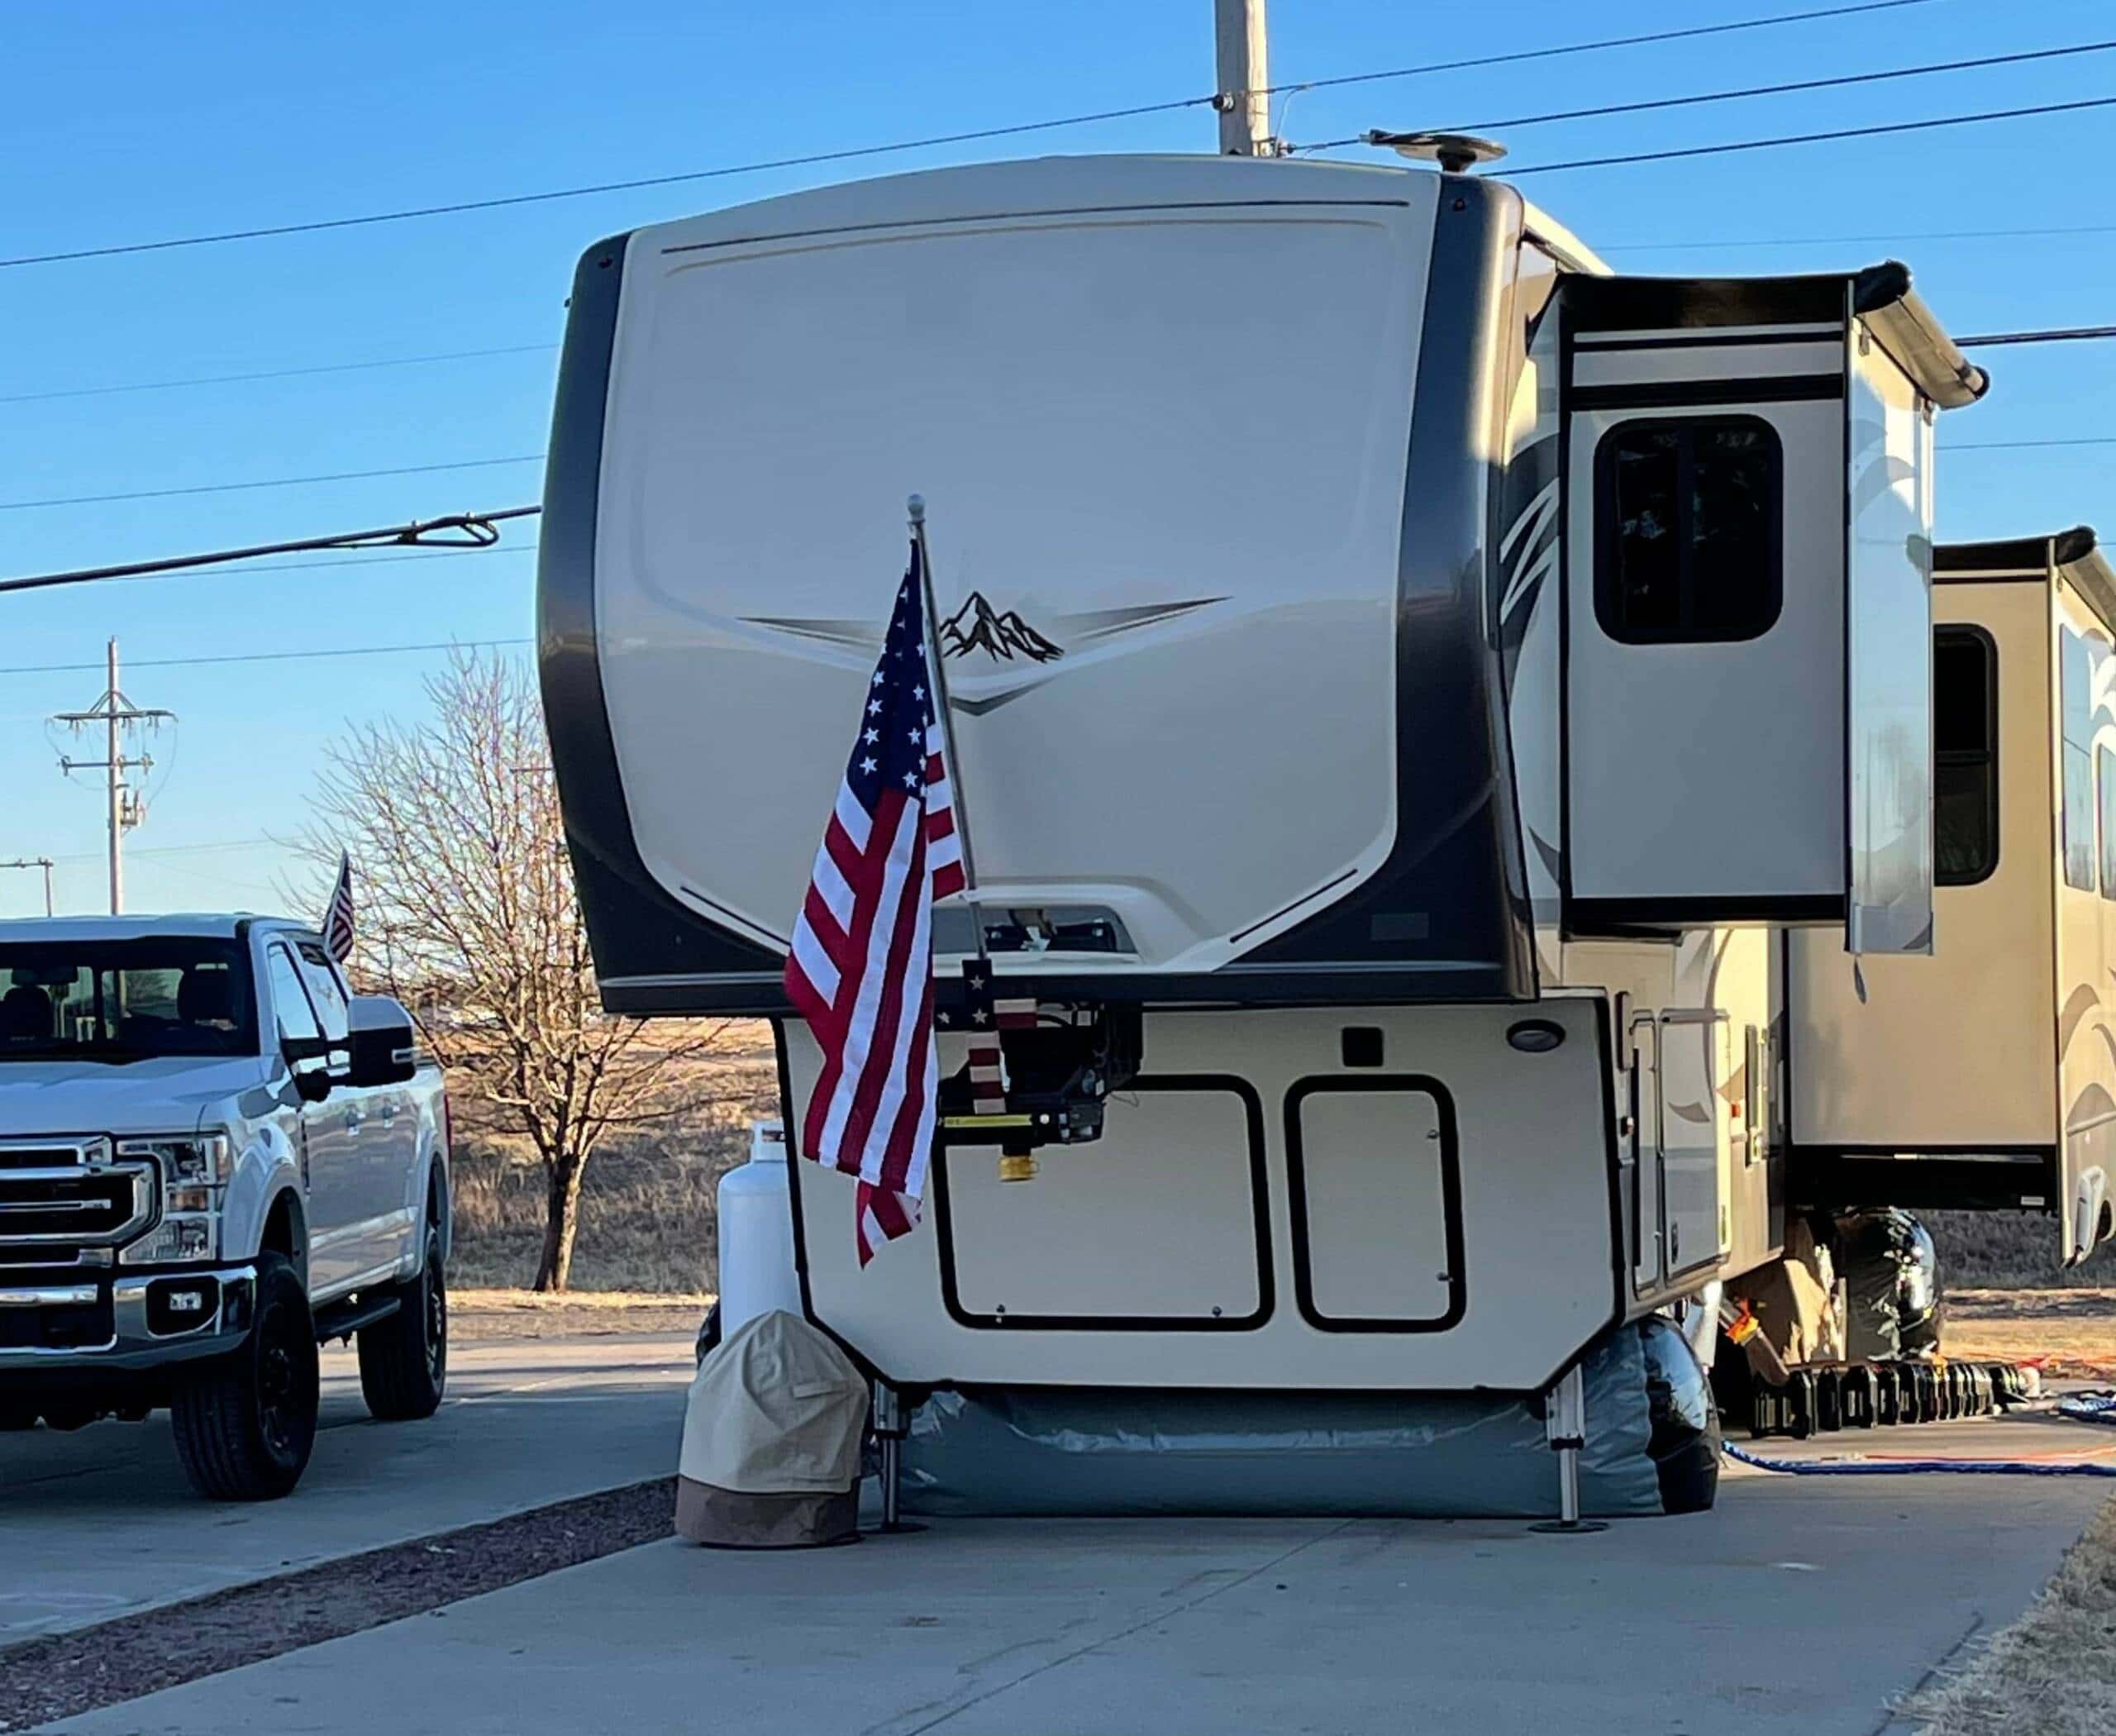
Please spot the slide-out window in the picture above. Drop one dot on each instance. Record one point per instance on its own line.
(2104, 788)
(1688, 530)
(1965, 755)
(2076, 689)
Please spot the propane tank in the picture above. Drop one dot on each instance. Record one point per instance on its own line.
(756, 1233)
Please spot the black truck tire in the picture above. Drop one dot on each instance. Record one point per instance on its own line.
(404, 1356)
(245, 1424)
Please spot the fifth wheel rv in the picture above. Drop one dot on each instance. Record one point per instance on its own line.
(1397, 707)
(1985, 1077)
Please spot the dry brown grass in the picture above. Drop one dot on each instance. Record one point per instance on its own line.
(2052, 1672)
(646, 1206)
(486, 1316)
(2073, 1330)
(2009, 1251)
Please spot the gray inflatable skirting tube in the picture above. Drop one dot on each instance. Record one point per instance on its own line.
(1652, 1447)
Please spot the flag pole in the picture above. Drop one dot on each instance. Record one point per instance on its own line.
(937, 668)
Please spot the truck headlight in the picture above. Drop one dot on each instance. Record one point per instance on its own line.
(175, 1238)
(203, 1160)
(194, 1171)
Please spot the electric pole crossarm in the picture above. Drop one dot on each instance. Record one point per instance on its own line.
(116, 713)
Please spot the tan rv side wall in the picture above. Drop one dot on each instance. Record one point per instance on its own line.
(1957, 1049)
(2085, 997)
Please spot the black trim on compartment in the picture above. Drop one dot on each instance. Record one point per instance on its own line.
(1833, 336)
(1950, 1178)
(1684, 394)
(1252, 1108)
(1450, 1199)
(1616, 918)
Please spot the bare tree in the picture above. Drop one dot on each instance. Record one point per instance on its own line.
(467, 913)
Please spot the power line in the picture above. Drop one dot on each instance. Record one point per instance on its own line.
(468, 530)
(229, 379)
(268, 482)
(278, 657)
(456, 208)
(2076, 334)
(2006, 445)
(1848, 240)
(1816, 138)
(812, 158)
(446, 552)
(1837, 82)
(1518, 55)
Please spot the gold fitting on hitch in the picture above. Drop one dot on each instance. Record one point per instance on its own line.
(1017, 1167)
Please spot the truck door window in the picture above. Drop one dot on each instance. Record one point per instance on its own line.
(1689, 520)
(289, 999)
(1965, 756)
(326, 993)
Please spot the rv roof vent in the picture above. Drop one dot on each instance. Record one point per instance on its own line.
(1454, 151)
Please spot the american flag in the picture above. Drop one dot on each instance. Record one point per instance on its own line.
(338, 917)
(983, 1017)
(861, 967)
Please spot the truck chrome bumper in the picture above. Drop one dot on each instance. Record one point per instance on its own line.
(136, 1320)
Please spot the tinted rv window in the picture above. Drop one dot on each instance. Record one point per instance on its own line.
(1965, 757)
(2076, 684)
(1687, 534)
(2105, 786)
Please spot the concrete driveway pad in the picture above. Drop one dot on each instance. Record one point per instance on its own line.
(1799, 1605)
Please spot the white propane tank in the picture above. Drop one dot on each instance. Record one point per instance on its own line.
(756, 1233)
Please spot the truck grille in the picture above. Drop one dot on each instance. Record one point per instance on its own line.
(55, 1197)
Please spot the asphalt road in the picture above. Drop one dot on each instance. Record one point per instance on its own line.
(101, 1522)
(1799, 1606)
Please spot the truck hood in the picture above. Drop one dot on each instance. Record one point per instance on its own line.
(166, 1095)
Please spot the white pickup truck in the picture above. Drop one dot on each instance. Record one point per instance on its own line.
(213, 1157)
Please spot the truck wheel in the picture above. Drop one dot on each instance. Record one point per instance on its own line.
(404, 1358)
(246, 1425)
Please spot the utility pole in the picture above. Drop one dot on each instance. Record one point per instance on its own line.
(35, 861)
(116, 713)
(1244, 79)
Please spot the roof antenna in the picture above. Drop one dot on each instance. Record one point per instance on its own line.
(1454, 151)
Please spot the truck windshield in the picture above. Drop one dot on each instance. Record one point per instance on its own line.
(126, 999)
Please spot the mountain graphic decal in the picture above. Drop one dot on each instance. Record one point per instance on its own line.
(977, 626)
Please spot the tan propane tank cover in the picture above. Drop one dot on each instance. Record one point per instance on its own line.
(778, 1409)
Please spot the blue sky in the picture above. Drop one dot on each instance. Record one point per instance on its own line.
(132, 121)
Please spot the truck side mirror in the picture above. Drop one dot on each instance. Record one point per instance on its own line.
(308, 1059)
(384, 1050)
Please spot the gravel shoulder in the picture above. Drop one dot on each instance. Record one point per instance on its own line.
(65, 1675)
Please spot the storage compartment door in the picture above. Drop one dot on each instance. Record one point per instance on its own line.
(1693, 1136)
(1377, 1209)
(1887, 669)
(1648, 1234)
(1161, 1224)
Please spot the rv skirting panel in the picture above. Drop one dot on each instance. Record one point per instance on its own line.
(1651, 1447)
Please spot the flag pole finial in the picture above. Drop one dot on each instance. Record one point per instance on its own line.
(916, 506)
